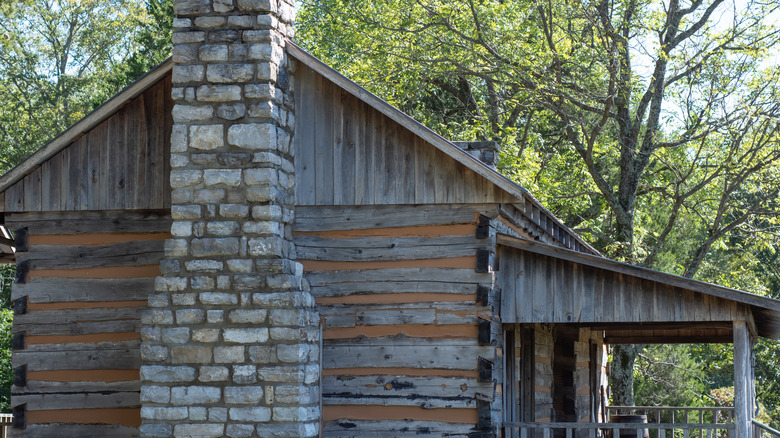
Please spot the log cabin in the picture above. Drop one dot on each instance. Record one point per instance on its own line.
(246, 243)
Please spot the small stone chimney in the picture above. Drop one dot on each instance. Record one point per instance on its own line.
(231, 339)
(485, 151)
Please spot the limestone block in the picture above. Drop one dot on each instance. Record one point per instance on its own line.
(206, 137)
(247, 316)
(194, 395)
(245, 335)
(191, 354)
(230, 73)
(205, 335)
(155, 394)
(234, 211)
(214, 246)
(154, 316)
(218, 93)
(243, 394)
(218, 298)
(164, 413)
(154, 353)
(257, 414)
(254, 136)
(223, 5)
(161, 374)
(190, 316)
(231, 111)
(213, 374)
(244, 21)
(243, 266)
(182, 74)
(187, 7)
(202, 430)
(225, 354)
(209, 22)
(192, 113)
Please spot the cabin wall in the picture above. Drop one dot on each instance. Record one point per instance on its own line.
(348, 153)
(82, 281)
(123, 163)
(397, 291)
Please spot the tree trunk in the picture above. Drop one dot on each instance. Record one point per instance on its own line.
(621, 380)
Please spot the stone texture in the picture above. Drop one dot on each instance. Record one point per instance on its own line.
(229, 324)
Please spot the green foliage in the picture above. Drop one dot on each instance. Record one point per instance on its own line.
(59, 59)
(7, 274)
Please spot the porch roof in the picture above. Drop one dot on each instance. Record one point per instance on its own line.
(548, 284)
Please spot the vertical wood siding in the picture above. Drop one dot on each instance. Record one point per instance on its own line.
(544, 289)
(396, 289)
(347, 153)
(121, 164)
(89, 278)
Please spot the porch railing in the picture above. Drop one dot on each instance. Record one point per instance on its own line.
(662, 422)
(761, 430)
(615, 430)
(674, 414)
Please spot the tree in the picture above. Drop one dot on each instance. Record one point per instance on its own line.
(649, 127)
(58, 61)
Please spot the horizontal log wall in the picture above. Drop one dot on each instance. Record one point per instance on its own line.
(397, 291)
(348, 153)
(84, 289)
(122, 163)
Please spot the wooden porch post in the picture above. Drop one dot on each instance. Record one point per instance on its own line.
(742, 379)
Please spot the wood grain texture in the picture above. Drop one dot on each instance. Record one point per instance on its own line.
(542, 289)
(344, 142)
(71, 222)
(119, 163)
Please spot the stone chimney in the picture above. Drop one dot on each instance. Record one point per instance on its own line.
(231, 339)
(485, 151)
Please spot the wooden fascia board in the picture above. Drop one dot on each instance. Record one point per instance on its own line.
(85, 124)
(766, 304)
(423, 132)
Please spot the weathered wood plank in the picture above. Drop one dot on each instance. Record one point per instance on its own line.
(134, 253)
(445, 275)
(53, 290)
(400, 428)
(89, 222)
(337, 114)
(82, 430)
(84, 400)
(348, 150)
(310, 247)
(118, 159)
(323, 151)
(325, 218)
(67, 316)
(404, 352)
(400, 390)
(97, 359)
(305, 137)
(47, 386)
(391, 287)
(79, 327)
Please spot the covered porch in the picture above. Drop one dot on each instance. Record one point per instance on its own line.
(561, 309)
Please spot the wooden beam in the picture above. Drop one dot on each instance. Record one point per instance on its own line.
(742, 411)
